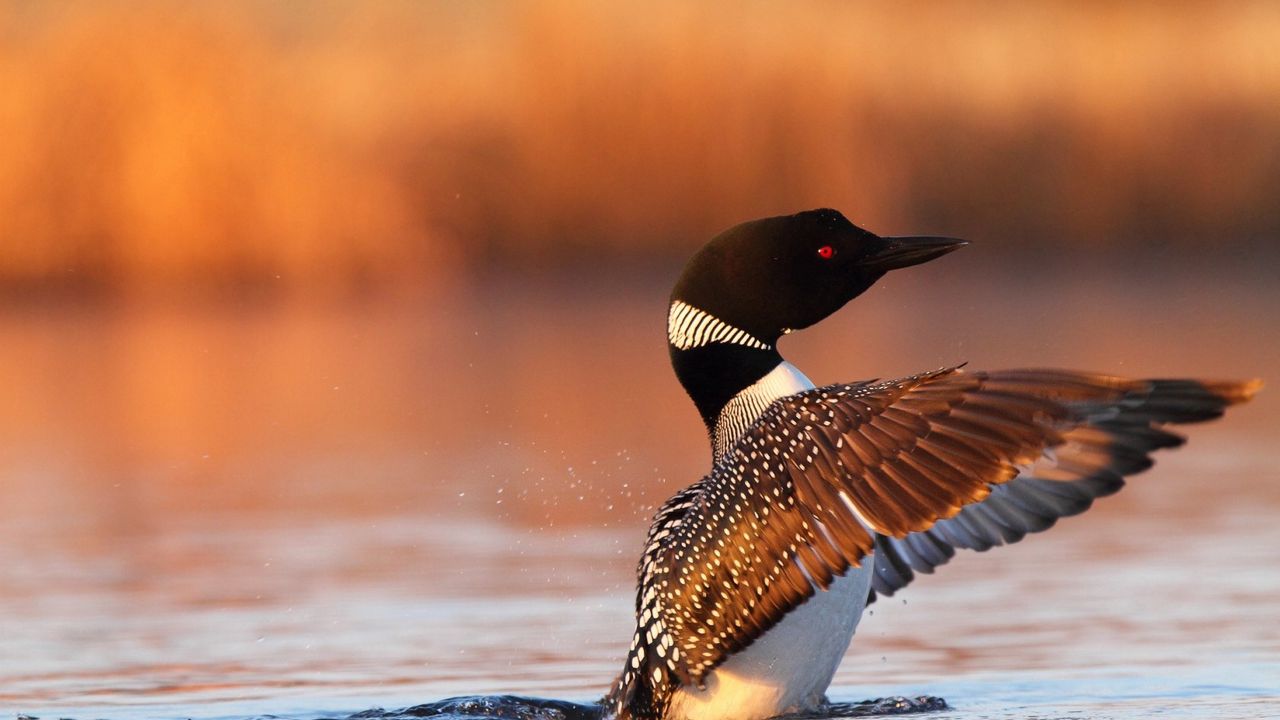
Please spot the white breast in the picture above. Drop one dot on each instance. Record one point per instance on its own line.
(788, 668)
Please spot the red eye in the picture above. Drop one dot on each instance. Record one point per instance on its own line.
(826, 252)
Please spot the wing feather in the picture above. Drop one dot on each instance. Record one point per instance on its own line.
(1106, 439)
(910, 469)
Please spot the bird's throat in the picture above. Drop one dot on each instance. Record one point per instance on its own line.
(713, 374)
(748, 405)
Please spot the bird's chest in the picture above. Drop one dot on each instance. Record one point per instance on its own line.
(789, 667)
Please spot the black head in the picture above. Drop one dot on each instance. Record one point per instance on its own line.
(785, 273)
(760, 279)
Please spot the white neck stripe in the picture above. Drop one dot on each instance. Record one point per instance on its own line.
(688, 327)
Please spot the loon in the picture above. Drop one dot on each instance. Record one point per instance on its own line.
(752, 579)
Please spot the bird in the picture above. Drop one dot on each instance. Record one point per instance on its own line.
(752, 580)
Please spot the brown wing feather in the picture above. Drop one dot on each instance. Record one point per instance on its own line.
(1114, 437)
(828, 475)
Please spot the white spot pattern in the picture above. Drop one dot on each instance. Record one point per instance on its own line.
(804, 486)
(770, 526)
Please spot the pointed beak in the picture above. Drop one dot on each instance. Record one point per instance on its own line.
(900, 252)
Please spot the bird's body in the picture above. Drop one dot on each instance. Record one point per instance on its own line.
(753, 579)
(792, 663)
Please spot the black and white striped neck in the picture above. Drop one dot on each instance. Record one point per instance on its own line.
(689, 327)
(716, 362)
(749, 404)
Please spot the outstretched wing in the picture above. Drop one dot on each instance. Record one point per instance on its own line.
(812, 484)
(1114, 440)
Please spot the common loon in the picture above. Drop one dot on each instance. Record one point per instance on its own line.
(753, 578)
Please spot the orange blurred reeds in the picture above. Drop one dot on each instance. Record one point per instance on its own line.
(332, 148)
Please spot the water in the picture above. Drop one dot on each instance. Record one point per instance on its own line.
(314, 511)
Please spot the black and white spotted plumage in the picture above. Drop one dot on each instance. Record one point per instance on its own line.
(908, 470)
(652, 663)
(752, 579)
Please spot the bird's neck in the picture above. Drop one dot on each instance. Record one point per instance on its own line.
(716, 362)
(732, 385)
(745, 408)
(713, 374)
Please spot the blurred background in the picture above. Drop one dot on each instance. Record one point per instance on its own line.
(324, 324)
(347, 148)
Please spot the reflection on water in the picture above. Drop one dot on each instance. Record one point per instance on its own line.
(308, 511)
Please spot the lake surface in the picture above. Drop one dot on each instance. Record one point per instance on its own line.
(309, 511)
